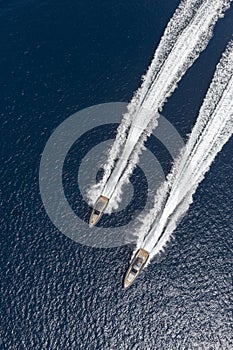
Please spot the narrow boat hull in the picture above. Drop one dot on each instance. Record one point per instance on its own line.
(98, 210)
(135, 267)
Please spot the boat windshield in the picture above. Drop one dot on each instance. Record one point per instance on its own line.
(138, 263)
(96, 212)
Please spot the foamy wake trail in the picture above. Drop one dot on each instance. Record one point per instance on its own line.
(213, 128)
(186, 35)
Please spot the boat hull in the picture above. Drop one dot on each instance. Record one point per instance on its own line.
(98, 210)
(135, 267)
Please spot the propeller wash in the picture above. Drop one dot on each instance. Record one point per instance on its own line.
(213, 128)
(186, 35)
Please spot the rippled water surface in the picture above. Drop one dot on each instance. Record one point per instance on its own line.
(57, 58)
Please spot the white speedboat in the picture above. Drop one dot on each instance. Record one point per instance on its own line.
(98, 210)
(135, 267)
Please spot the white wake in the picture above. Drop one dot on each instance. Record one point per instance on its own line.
(186, 35)
(213, 128)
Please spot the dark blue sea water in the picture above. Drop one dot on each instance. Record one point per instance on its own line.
(58, 57)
